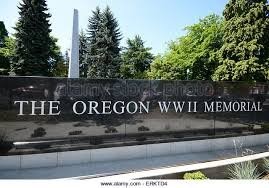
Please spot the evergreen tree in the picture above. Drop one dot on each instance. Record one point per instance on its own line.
(94, 27)
(66, 57)
(56, 60)
(62, 67)
(136, 59)
(4, 58)
(33, 41)
(245, 53)
(104, 39)
(3, 34)
(83, 64)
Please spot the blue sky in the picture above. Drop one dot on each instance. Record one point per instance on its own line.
(157, 21)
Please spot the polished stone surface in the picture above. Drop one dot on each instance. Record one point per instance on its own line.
(137, 128)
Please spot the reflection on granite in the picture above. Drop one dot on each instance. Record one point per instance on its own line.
(121, 127)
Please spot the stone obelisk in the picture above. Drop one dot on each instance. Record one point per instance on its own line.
(74, 62)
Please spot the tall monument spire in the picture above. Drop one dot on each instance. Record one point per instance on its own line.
(74, 63)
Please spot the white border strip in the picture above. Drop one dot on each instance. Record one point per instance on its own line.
(178, 169)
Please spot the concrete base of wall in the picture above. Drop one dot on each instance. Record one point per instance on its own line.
(128, 152)
(213, 170)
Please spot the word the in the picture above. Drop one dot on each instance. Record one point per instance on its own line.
(39, 107)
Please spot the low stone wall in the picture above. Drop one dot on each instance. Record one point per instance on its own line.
(129, 152)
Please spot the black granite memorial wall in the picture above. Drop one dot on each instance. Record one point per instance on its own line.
(129, 111)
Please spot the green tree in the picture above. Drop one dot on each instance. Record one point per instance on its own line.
(60, 69)
(165, 70)
(57, 65)
(104, 39)
(136, 59)
(9, 47)
(94, 27)
(33, 40)
(245, 53)
(196, 51)
(6, 50)
(83, 64)
(6, 55)
(66, 57)
(3, 34)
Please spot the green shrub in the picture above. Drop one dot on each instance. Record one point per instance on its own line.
(194, 176)
(266, 165)
(244, 170)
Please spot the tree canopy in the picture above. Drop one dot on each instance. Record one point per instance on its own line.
(57, 64)
(232, 48)
(244, 55)
(3, 33)
(6, 48)
(136, 59)
(196, 51)
(34, 44)
(83, 50)
(104, 40)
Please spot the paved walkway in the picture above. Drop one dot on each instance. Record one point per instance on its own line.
(125, 166)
